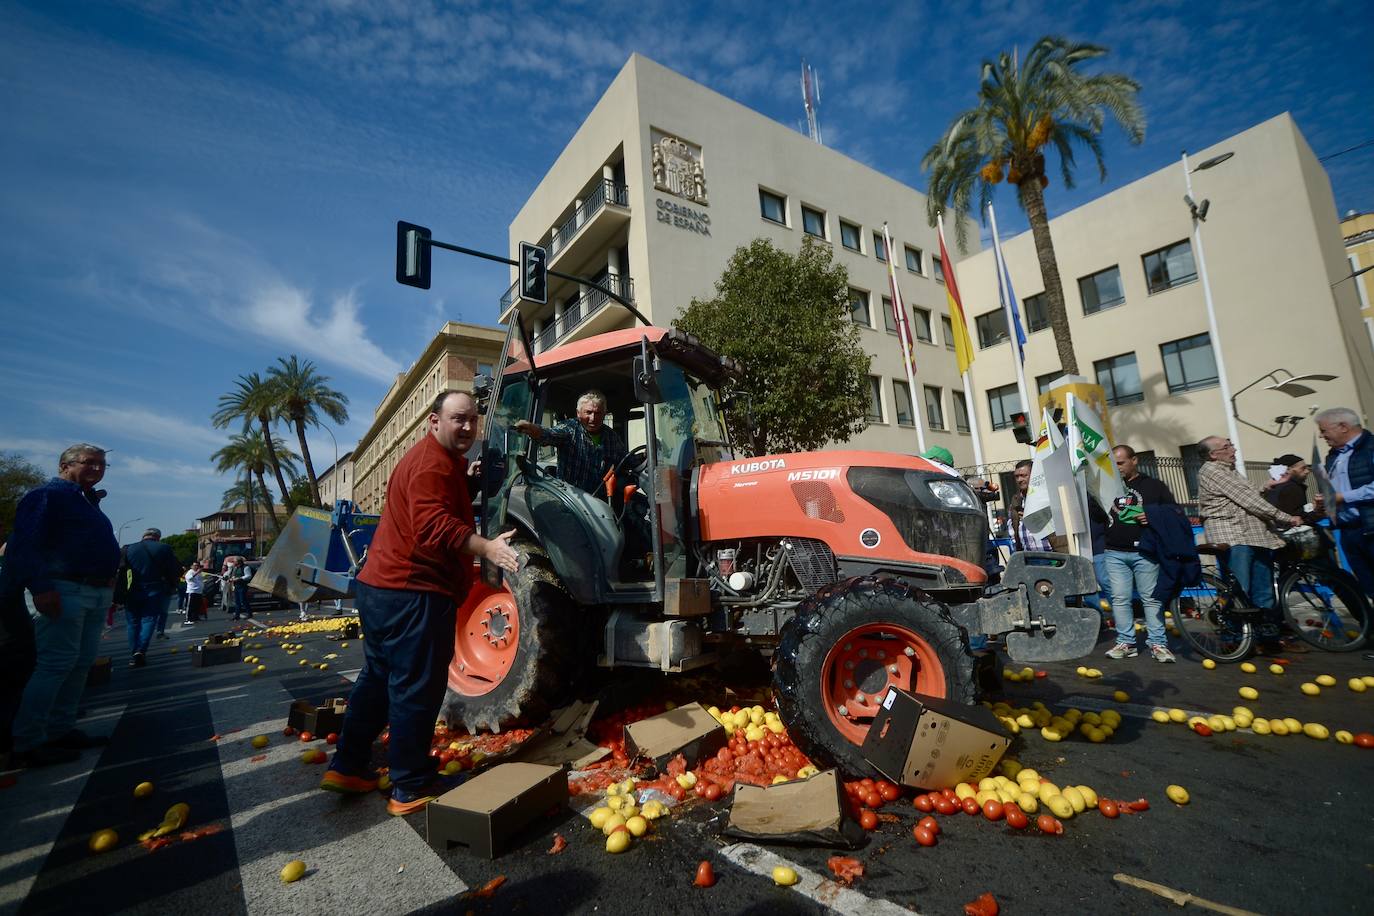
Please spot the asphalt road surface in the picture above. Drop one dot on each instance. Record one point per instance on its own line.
(1275, 825)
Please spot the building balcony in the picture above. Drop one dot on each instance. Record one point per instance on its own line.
(588, 306)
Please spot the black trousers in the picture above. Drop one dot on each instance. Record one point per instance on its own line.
(18, 655)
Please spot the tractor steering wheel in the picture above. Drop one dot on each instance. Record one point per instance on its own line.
(631, 463)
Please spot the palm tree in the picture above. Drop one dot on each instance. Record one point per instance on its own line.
(300, 395)
(1021, 110)
(251, 400)
(249, 452)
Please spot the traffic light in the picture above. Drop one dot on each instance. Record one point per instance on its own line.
(534, 274)
(1020, 428)
(412, 255)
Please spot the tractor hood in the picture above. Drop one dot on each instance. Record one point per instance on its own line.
(869, 507)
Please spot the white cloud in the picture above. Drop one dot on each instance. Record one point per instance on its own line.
(285, 314)
(148, 425)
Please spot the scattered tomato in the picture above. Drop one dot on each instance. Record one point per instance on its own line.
(712, 792)
(923, 836)
(945, 806)
(1015, 817)
(332, 738)
(868, 820)
(992, 809)
(971, 806)
(1139, 804)
(1364, 739)
(930, 824)
(288, 731)
(1048, 823)
(888, 791)
(923, 804)
(872, 799)
(1203, 729)
(950, 794)
(1108, 807)
(307, 736)
(985, 905)
(706, 875)
(845, 869)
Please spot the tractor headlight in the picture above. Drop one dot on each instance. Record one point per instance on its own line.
(953, 493)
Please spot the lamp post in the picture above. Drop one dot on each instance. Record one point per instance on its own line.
(119, 536)
(1199, 215)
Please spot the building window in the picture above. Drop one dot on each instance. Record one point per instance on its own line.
(813, 222)
(1042, 382)
(913, 259)
(849, 236)
(772, 207)
(1037, 315)
(939, 268)
(960, 411)
(1119, 377)
(947, 328)
(485, 369)
(889, 318)
(935, 408)
(992, 328)
(879, 246)
(858, 307)
(1169, 267)
(1189, 363)
(901, 398)
(921, 325)
(875, 399)
(1101, 290)
(1002, 403)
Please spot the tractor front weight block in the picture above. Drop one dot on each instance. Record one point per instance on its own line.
(1038, 608)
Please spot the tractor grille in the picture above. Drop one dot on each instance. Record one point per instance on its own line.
(817, 500)
(812, 562)
(925, 524)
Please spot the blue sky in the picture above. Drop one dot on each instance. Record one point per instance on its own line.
(192, 189)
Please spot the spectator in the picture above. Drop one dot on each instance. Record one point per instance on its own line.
(419, 567)
(1289, 492)
(238, 580)
(194, 581)
(64, 553)
(17, 658)
(226, 588)
(1234, 513)
(1350, 465)
(1017, 511)
(146, 581)
(587, 447)
(1127, 570)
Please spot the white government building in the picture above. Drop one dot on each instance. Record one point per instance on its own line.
(665, 179)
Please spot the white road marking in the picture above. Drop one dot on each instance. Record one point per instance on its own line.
(351, 847)
(1134, 710)
(824, 891)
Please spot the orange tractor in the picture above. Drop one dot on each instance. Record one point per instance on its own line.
(853, 570)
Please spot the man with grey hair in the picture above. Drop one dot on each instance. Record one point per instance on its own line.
(64, 554)
(148, 575)
(587, 447)
(1350, 465)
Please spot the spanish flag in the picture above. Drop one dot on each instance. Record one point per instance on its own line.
(963, 346)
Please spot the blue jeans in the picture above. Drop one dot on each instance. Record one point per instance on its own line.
(66, 648)
(1253, 568)
(1128, 573)
(407, 647)
(241, 600)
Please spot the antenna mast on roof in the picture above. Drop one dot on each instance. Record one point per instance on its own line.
(811, 100)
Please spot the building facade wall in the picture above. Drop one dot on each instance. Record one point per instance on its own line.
(337, 482)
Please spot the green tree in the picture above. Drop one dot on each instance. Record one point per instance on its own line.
(253, 399)
(249, 452)
(786, 318)
(183, 545)
(1022, 110)
(301, 394)
(300, 490)
(17, 477)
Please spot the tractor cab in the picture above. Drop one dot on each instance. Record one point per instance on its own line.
(621, 543)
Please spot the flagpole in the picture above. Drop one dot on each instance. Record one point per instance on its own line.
(904, 338)
(969, 399)
(1007, 304)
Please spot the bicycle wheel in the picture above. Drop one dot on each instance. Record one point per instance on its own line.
(1325, 607)
(1213, 620)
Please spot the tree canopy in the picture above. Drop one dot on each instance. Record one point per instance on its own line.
(17, 477)
(786, 318)
(183, 544)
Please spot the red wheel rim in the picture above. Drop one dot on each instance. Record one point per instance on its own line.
(864, 663)
(485, 641)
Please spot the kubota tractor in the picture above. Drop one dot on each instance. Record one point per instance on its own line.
(854, 570)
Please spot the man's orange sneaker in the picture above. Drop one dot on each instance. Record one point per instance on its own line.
(334, 781)
(398, 808)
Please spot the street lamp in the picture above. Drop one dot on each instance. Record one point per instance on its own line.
(119, 536)
(1198, 212)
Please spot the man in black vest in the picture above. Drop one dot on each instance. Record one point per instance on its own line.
(1350, 465)
(146, 581)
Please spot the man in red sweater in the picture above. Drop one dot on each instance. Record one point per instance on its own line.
(418, 569)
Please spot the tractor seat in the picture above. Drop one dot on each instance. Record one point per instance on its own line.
(1213, 550)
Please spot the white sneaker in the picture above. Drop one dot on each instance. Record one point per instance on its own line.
(1162, 654)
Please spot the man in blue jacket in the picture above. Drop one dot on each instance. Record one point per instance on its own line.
(64, 554)
(1350, 465)
(147, 579)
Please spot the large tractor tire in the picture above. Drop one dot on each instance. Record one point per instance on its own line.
(846, 646)
(516, 649)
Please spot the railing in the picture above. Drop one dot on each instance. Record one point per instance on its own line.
(583, 308)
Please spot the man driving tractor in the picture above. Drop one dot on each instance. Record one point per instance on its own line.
(587, 447)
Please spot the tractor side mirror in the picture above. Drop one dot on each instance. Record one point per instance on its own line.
(646, 382)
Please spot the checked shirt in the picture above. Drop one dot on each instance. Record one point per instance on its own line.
(582, 462)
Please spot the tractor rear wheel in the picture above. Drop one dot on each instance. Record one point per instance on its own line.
(516, 649)
(846, 646)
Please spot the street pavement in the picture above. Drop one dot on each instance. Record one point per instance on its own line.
(1275, 825)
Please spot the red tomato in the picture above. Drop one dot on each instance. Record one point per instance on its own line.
(1042, 673)
(867, 782)
(712, 792)
(1139, 804)
(1203, 729)
(971, 806)
(288, 731)
(923, 804)
(1108, 807)
(950, 794)
(446, 755)
(724, 756)
(993, 810)
(872, 799)
(945, 806)
(1049, 824)
(888, 791)
(923, 836)
(307, 736)
(986, 905)
(1364, 739)
(868, 820)
(930, 824)
(1016, 818)
(706, 875)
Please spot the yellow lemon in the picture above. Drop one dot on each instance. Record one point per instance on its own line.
(784, 876)
(143, 790)
(1368, 680)
(1051, 734)
(1248, 693)
(1061, 806)
(1028, 802)
(1310, 689)
(1316, 730)
(1242, 711)
(637, 825)
(292, 871)
(1326, 680)
(608, 826)
(1276, 669)
(103, 840)
(618, 842)
(599, 815)
(1076, 799)
(1260, 726)
(1089, 796)
(1278, 727)
(1344, 737)
(1356, 684)
(259, 742)
(1247, 667)
(1081, 671)
(1121, 696)
(1177, 715)
(1208, 664)
(1160, 715)
(1294, 726)
(1177, 794)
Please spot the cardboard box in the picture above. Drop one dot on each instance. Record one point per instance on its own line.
(689, 730)
(305, 716)
(205, 656)
(806, 811)
(99, 674)
(929, 743)
(485, 813)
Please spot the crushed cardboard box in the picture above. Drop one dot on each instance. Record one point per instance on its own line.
(563, 742)
(305, 716)
(929, 743)
(803, 811)
(485, 813)
(689, 730)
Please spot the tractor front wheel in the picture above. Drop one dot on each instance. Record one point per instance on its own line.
(846, 646)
